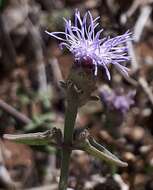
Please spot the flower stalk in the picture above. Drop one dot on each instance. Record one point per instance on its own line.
(79, 87)
(70, 117)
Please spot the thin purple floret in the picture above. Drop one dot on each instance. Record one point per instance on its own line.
(83, 42)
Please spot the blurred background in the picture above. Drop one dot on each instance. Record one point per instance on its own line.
(31, 100)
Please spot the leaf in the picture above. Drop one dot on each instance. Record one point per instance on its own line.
(49, 137)
(30, 139)
(93, 148)
(40, 120)
(2, 4)
(107, 153)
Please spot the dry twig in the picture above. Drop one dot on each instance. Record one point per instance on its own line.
(13, 112)
(143, 83)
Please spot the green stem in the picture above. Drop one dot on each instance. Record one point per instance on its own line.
(71, 113)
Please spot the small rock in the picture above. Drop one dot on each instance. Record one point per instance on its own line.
(129, 157)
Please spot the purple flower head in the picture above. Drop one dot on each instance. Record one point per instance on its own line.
(113, 100)
(85, 44)
(123, 102)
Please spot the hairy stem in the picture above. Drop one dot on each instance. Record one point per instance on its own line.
(70, 116)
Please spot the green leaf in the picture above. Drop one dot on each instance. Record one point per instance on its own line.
(29, 139)
(40, 120)
(3, 4)
(87, 143)
(105, 155)
(49, 137)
